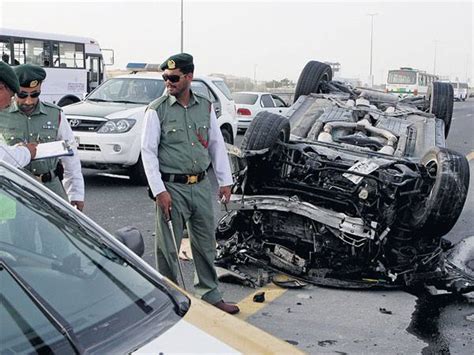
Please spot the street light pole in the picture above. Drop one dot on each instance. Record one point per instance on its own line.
(182, 28)
(371, 46)
(434, 61)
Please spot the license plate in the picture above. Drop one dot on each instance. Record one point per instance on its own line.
(364, 167)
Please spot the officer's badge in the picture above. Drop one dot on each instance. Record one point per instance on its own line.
(34, 83)
(171, 64)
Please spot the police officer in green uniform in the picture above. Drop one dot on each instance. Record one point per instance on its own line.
(29, 120)
(180, 140)
(19, 155)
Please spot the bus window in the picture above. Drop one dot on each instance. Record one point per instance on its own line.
(71, 55)
(34, 52)
(5, 49)
(18, 51)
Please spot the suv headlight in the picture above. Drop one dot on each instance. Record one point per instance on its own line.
(117, 126)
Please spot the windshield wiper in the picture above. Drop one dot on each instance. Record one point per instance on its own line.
(48, 311)
(127, 102)
(99, 100)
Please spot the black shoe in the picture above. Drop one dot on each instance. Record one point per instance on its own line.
(227, 307)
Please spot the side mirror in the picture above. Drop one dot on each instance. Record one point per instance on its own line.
(132, 239)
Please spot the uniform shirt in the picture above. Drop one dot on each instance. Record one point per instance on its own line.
(151, 140)
(73, 181)
(17, 156)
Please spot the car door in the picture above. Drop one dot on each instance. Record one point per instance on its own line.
(201, 88)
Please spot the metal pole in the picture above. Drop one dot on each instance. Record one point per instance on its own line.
(371, 47)
(182, 27)
(180, 269)
(434, 61)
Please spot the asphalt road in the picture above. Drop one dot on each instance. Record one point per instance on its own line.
(323, 320)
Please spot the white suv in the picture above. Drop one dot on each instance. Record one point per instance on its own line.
(107, 125)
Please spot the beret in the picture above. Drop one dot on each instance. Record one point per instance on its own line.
(29, 75)
(177, 61)
(8, 76)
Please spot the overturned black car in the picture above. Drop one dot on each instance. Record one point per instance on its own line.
(353, 188)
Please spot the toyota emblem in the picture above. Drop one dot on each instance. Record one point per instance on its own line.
(74, 122)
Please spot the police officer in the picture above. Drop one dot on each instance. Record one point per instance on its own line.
(17, 155)
(179, 141)
(30, 120)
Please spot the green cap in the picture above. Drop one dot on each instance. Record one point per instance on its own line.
(29, 75)
(178, 61)
(7, 75)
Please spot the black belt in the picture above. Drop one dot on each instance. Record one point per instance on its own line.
(46, 177)
(188, 179)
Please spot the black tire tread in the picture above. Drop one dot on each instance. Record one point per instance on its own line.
(310, 78)
(442, 102)
(265, 130)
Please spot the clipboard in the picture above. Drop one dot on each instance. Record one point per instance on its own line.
(53, 149)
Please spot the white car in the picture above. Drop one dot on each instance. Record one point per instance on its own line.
(69, 287)
(107, 125)
(248, 104)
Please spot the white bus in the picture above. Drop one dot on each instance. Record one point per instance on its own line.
(74, 65)
(409, 81)
(461, 91)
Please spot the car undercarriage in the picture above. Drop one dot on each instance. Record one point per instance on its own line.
(353, 188)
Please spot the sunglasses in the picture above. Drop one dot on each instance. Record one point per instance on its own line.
(24, 95)
(172, 78)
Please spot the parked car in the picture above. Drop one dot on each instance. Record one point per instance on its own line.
(355, 188)
(69, 287)
(107, 125)
(249, 104)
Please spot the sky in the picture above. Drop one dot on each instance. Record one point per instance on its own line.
(267, 40)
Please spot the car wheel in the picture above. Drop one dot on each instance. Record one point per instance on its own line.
(441, 103)
(265, 130)
(313, 75)
(137, 173)
(227, 136)
(436, 215)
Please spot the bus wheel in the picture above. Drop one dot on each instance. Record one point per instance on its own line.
(66, 101)
(441, 103)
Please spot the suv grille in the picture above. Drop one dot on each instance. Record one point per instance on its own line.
(85, 124)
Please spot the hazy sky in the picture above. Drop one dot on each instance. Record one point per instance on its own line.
(272, 39)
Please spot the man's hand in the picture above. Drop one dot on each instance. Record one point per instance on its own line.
(224, 194)
(32, 148)
(78, 204)
(163, 200)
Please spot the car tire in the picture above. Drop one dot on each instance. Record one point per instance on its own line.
(441, 103)
(137, 173)
(437, 215)
(265, 130)
(313, 75)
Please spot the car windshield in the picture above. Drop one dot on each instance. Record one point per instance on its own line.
(221, 85)
(128, 90)
(52, 262)
(245, 99)
(401, 77)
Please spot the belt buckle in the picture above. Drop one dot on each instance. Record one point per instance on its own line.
(192, 179)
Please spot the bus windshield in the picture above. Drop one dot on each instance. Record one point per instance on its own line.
(401, 77)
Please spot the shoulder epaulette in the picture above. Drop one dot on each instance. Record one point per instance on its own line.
(49, 104)
(156, 103)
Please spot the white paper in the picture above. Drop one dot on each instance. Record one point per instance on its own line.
(53, 149)
(364, 166)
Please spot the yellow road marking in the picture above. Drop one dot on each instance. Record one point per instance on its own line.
(248, 307)
(470, 156)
